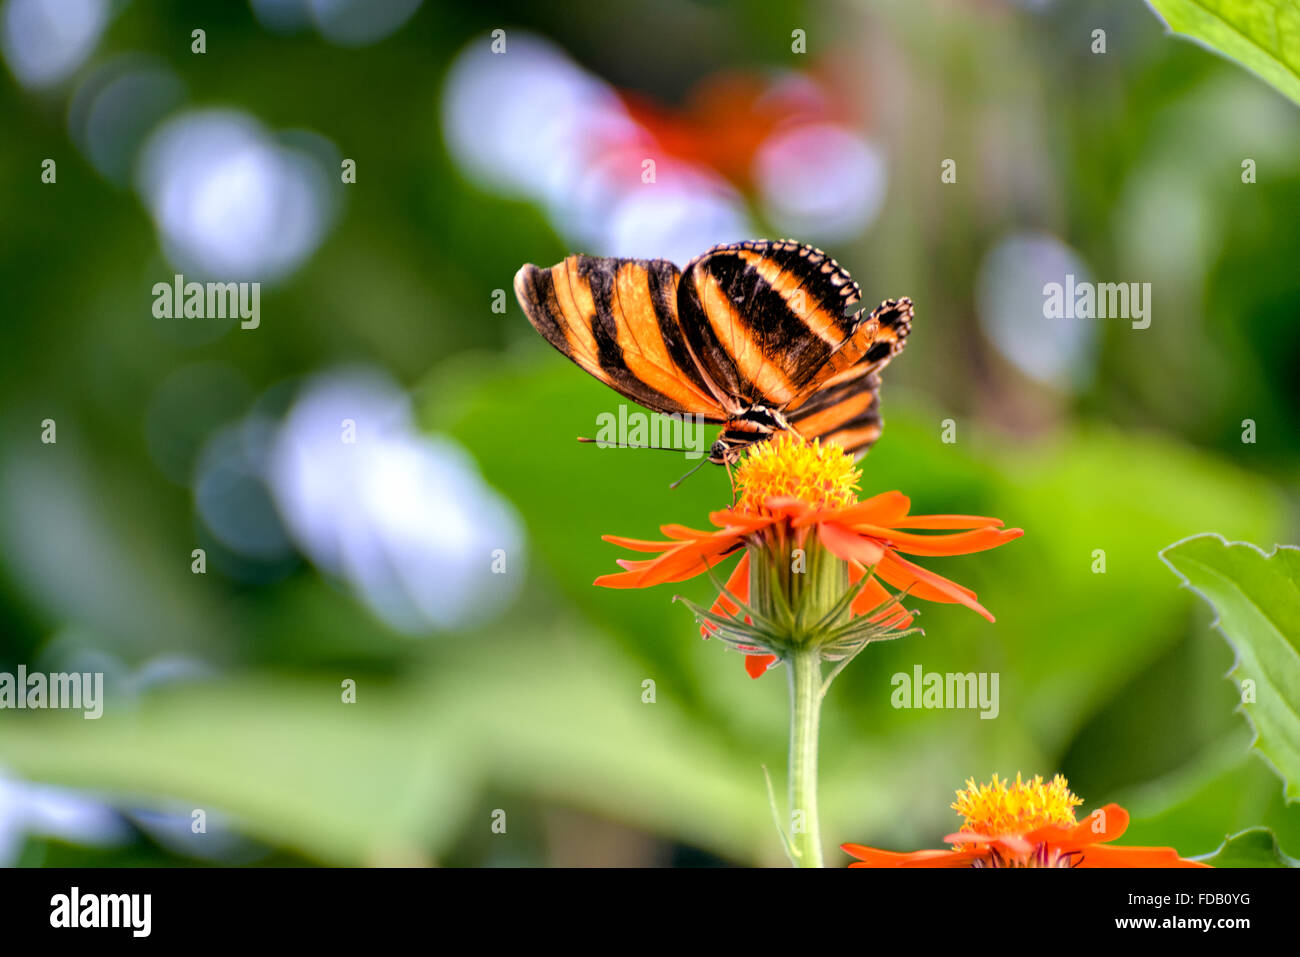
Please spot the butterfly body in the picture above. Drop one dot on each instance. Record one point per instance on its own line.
(755, 424)
(758, 337)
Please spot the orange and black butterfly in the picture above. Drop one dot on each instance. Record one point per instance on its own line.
(758, 337)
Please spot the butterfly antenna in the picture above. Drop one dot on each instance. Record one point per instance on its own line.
(606, 444)
(689, 474)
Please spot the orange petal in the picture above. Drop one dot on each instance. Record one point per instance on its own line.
(948, 521)
(873, 595)
(924, 584)
(757, 665)
(690, 560)
(1103, 855)
(685, 561)
(787, 506)
(682, 533)
(738, 585)
(732, 521)
(961, 543)
(638, 544)
(871, 857)
(1014, 843)
(619, 580)
(887, 508)
(1113, 819)
(849, 545)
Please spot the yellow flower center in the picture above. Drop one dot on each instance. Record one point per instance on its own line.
(1006, 808)
(787, 465)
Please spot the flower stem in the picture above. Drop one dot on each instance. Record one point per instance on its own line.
(805, 712)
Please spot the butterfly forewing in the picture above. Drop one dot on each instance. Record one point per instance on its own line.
(617, 319)
(763, 317)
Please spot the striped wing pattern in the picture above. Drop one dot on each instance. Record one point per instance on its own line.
(875, 341)
(746, 324)
(617, 319)
(765, 317)
(847, 414)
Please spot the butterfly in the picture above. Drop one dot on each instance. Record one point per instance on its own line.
(758, 337)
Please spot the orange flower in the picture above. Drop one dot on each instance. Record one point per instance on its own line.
(802, 495)
(728, 117)
(1027, 824)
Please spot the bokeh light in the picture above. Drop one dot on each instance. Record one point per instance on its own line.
(114, 108)
(533, 124)
(347, 23)
(1009, 301)
(47, 811)
(404, 518)
(46, 41)
(231, 200)
(821, 181)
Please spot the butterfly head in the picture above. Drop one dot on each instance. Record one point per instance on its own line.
(724, 453)
(756, 424)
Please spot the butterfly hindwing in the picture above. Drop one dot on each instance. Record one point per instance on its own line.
(875, 341)
(617, 319)
(846, 413)
(763, 317)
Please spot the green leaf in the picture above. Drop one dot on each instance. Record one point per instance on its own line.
(1255, 847)
(1257, 597)
(1261, 35)
(1226, 789)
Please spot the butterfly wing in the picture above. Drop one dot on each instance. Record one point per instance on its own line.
(747, 323)
(874, 342)
(618, 320)
(847, 414)
(764, 317)
(841, 402)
